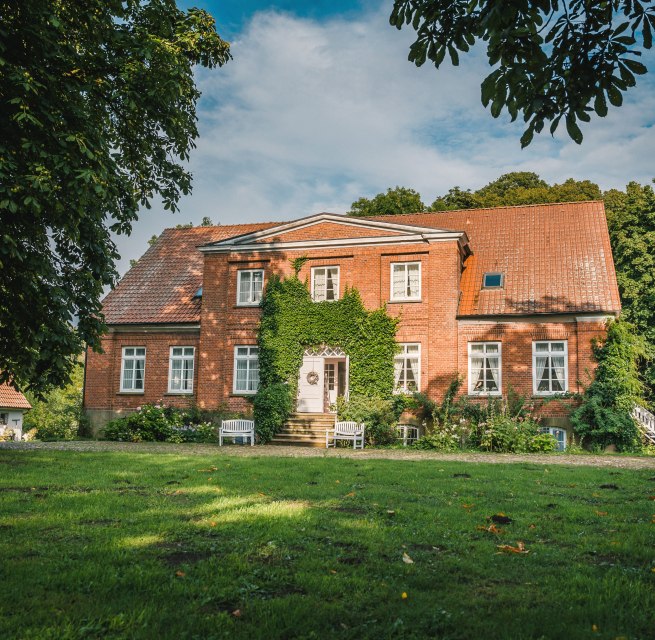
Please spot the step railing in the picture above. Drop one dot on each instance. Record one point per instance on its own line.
(646, 422)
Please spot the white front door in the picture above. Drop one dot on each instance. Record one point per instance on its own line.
(311, 386)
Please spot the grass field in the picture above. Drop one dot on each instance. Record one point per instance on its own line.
(136, 545)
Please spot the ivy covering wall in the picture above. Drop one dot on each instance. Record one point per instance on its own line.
(291, 322)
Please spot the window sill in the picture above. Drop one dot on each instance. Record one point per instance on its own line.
(243, 394)
(248, 305)
(179, 393)
(404, 300)
(554, 394)
(130, 393)
(490, 394)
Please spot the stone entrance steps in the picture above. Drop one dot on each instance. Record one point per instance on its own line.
(305, 430)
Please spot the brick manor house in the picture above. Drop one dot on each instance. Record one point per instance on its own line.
(504, 297)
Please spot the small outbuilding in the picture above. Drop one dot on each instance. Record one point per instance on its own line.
(13, 405)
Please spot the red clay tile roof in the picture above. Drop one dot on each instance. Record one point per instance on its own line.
(161, 286)
(556, 258)
(12, 399)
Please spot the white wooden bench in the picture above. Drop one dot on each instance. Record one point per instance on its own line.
(345, 431)
(236, 429)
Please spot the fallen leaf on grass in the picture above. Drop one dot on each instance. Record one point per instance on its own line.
(390, 512)
(404, 595)
(237, 613)
(259, 493)
(507, 548)
(532, 526)
(492, 528)
(212, 524)
(601, 513)
(333, 572)
(350, 495)
(468, 506)
(180, 574)
(407, 559)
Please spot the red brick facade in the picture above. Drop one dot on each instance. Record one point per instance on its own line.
(364, 255)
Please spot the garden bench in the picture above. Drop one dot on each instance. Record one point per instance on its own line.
(236, 429)
(345, 431)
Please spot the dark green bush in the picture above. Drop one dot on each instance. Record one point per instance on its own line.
(273, 405)
(379, 416)
(603, 418)
(154, 423)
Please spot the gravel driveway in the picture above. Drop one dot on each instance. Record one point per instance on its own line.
(608, 460)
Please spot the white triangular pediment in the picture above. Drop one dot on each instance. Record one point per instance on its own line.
(376, 227)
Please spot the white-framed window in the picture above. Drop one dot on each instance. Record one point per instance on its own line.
(407, 368)
(180, 369)
(550, 367)
(133, 369)
(325, 283)
(246, 369)
(250, 284)
(558, 434)
(405, 281)
(485, 368)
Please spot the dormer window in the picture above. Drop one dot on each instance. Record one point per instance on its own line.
(494, 280)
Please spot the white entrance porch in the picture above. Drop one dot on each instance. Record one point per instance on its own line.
(322, 379)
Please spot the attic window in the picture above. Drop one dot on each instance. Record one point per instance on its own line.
(198, 294)
(493, 281)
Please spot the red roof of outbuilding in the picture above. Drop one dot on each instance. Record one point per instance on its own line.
(556, 258)
(12, 399)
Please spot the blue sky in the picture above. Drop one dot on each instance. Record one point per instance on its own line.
(320, 107)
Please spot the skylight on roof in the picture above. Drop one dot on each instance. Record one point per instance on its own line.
(198, 293)
(493, 281)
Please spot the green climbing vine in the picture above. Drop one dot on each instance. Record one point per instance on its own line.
(291, 322)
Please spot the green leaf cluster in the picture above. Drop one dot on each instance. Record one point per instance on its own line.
(394, 201)
(291, 322)
(59, 415)
(97, 113)
(631, 221)
(552, 59)
(517, 188)
(603, 418)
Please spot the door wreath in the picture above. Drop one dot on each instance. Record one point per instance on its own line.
(312, 377)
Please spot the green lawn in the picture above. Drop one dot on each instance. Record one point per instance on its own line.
(137, 545)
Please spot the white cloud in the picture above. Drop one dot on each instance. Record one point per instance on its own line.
(310, 116)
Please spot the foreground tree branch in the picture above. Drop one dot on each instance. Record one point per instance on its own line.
(552, 59)
(97, 110)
